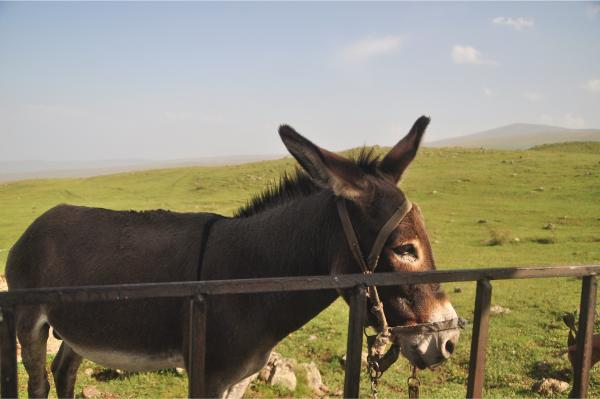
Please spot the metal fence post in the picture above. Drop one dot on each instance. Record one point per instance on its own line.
(8, 353)
(483, 299)
(197, 347)
(583, 355)
(356, 322)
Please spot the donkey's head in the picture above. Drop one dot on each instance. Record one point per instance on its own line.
(371, 196)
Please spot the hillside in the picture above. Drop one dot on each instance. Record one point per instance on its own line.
(464, 181)
(541, 205)
(19, 170)
(519, 136)
(590, 147)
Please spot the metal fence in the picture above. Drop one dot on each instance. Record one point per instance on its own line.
(196, 292)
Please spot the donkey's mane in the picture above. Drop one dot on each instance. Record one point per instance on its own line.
(298, 184)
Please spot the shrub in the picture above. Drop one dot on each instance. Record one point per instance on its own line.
(498, 237)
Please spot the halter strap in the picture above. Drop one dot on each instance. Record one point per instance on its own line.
(385, 232)
(429, 328)
(369, 264)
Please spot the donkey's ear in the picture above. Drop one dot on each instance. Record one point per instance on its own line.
(325, 167)
(399, 157)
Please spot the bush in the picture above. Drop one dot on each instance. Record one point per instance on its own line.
(498, 237)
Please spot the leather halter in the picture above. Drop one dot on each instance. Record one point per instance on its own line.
(368, 265)
(378, 359)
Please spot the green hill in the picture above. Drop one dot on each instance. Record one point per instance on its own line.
(539, 206)
(590, 147)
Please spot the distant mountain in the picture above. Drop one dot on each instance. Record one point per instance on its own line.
(519, 136)
(19, 170)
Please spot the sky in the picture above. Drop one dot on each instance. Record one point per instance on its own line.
(164, 81)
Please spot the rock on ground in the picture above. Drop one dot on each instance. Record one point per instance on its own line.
(497, 309)
(313, 378)
(550, 386)
(279, 371)
(265, 373)
(284, 376)
(237, 391)
(90, 392)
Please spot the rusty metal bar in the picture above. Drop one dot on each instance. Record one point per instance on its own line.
(483, 299)
(356, 322)
(8, 354)
(583, 355)
(197, 347)
(287, 284)
(280, 284)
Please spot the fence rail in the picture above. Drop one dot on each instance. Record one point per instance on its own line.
(197, 292)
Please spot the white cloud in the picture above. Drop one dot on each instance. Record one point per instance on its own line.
(573, 121)
(517, 23)
(592, 85)
(363, 50)
(533, 96)
(468, 55)
(487, 91)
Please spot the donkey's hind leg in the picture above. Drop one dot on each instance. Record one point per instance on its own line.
(64, 369)
(32, 331)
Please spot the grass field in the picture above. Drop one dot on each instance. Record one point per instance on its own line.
(539, 207)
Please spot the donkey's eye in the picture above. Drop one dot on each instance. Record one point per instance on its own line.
(406, 251)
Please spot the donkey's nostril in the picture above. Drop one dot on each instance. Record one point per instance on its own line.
(449, 346)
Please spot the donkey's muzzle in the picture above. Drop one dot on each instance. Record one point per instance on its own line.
(429, 344)
(447, 342)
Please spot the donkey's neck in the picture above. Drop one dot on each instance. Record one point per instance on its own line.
(295, 239)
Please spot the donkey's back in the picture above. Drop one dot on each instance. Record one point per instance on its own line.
(74, 245)
(78, 246)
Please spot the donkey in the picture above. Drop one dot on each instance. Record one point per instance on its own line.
(292, 229)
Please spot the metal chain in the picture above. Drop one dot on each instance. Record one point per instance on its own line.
(375, 373)
(413, 384)
(372, 365)
(374, 388)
